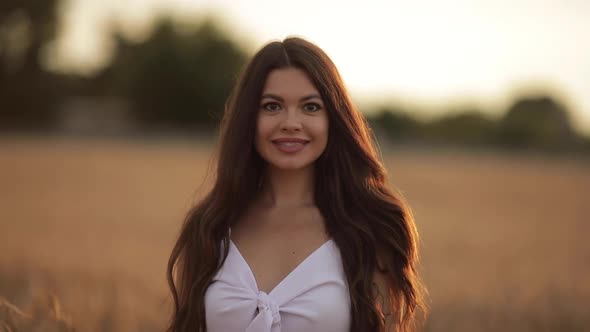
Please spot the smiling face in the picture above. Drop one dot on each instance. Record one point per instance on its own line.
(292, 125)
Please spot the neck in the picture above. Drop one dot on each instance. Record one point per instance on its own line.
(288, 188)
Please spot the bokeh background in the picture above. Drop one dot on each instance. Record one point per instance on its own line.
(108, 120)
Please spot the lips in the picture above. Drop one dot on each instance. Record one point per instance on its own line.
(290, 145)
(290, 140)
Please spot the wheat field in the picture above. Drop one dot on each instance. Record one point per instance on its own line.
(90, 224)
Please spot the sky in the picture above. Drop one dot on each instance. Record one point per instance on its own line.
(431, 55)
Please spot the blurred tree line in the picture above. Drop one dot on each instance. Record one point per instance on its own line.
(532, 122)
(172, 79)
(178, 80)
(28, 93)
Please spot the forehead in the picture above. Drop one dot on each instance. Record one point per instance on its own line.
(289, 82)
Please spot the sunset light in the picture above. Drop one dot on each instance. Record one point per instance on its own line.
(434, 54)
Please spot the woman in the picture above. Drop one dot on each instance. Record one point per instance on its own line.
(300, 231)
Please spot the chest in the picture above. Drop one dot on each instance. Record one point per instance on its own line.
(276, 244)
(313, 297)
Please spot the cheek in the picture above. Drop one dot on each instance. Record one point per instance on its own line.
(259, 128)
(320, 129)
(263, 131)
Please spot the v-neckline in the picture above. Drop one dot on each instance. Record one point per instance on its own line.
(299, 266)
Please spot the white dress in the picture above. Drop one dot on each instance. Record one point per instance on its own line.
(312, 297)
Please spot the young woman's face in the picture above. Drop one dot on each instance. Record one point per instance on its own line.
(292, 125)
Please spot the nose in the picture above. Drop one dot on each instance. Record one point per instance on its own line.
(291, 121)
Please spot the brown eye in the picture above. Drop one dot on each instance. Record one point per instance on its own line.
(312, 107)
(271, 107)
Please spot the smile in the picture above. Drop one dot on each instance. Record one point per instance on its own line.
(290, 147)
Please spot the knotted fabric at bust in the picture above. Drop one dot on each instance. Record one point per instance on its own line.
(267, 318)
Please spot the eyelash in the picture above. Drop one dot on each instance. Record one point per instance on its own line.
(317, 106)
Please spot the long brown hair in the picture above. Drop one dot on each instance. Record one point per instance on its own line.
(363, 215)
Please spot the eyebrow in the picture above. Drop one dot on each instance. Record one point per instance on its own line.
(279, 98)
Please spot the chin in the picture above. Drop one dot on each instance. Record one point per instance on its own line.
(289, 166)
